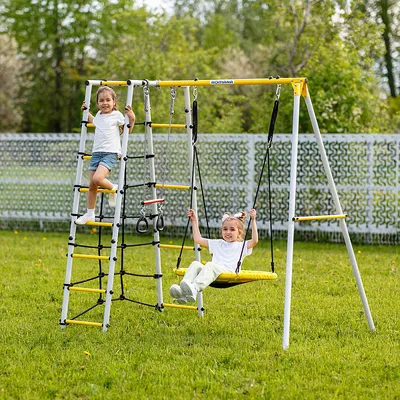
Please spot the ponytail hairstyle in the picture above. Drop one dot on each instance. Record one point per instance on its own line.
(238, 219)
(107, 89)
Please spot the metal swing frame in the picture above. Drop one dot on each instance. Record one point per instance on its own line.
(300, 89)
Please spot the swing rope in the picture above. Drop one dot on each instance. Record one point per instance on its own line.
(265, 161)
(195, 162)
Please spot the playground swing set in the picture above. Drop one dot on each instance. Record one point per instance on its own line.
(155, 203)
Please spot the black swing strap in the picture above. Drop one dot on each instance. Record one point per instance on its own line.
(266, 161)
(194, 140)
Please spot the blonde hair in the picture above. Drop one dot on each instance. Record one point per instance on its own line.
(238, 219)
(107, 89)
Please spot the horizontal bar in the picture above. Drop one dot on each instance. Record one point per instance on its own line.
(174, 246)
(227, 82)
(75, 322)
(86, 157)
(146, 202)
(89, 125)
(89, 290)
(179, 306)
(90, 256)
(99, 223)
(85, 190)
(173, 126)
(319, 217)
(114, 83)
(180, 187)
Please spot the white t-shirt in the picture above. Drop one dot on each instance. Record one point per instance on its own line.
(107, 133)
(227, 253)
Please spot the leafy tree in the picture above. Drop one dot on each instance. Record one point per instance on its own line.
(10, 66)
(56, 37)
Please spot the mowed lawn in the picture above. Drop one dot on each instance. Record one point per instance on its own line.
(234, 352)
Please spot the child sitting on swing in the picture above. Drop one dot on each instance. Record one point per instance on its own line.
(226, 254)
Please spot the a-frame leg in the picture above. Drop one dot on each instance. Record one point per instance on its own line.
(292, 209)
(292, 201)
(342, 222)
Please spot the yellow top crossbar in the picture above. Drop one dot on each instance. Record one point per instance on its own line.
(227, 82)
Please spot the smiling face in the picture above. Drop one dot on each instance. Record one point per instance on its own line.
(231, 230)
(106, 100)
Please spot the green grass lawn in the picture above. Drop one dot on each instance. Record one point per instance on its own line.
(234, 352)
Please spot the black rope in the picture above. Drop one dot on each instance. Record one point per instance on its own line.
(202, 190)
(266, 161)
(178, 262)
(194, 122)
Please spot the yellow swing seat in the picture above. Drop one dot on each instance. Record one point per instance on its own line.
(228, 279)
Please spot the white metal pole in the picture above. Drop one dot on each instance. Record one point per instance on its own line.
(75, 206)
(338, 207)
(292, 207)
(117, 215)
(189, 130)
(154, 211)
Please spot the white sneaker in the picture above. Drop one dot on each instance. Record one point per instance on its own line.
(188, 291)
(112, 197)
(82, 220)
(176, 292)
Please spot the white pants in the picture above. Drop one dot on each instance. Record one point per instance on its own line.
(201, 275)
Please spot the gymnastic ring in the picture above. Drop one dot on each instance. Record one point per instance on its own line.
(142, 221)
(160, 223)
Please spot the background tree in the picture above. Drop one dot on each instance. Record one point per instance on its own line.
(10, 67)
(336, 44)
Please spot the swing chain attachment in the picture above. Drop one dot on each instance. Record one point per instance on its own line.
(142, 226)
(160, 218)
(172, 103)
(146, 96)
(278, 92)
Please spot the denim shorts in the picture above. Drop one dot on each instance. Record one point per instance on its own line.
(107, 159)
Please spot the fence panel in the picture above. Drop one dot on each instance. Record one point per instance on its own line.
(38, 174)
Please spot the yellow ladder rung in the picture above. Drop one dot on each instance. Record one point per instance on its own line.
(179, 306)
(180, 187)
(86, 157)
(89, 125)
(174, 246)
(319, 217)
(75, 322)
(90, 256)
(85, 190)
(82, 289)
(99, 223)
(173, 126)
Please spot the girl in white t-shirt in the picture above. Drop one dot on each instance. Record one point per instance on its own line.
(226, 253)
(106, 147)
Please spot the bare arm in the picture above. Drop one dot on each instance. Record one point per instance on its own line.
(254, 232)
(90, 116)
(131, 115)
(195, 229)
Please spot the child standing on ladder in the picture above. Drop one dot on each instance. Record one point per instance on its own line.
(226, 254)
(106, 147)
